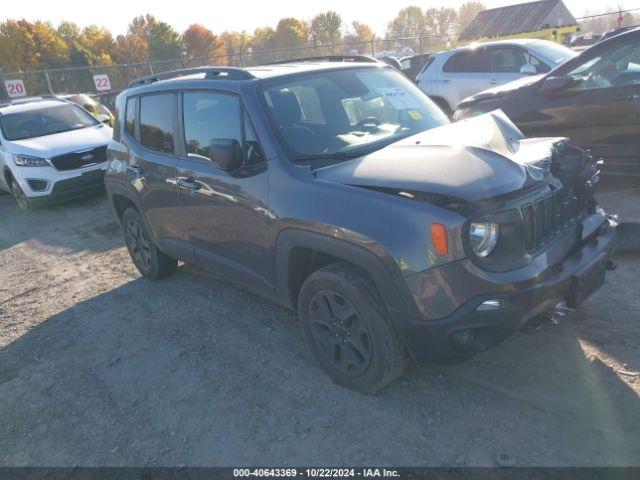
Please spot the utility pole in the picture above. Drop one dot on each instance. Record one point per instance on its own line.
(620, 17)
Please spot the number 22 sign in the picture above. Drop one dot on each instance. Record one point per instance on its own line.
(102, 82)
(15, 88)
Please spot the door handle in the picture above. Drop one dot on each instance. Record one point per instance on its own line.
(188, 184)
(493, 81)
(445, 79)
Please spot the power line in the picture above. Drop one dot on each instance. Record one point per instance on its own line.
(617, 12)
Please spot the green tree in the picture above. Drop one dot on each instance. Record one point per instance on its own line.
(164, 42)
(467, 12)
(70, 33)
(325, 28)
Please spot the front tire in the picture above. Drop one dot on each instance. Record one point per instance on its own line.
(19, 195)
(349, 329)
(150, 262)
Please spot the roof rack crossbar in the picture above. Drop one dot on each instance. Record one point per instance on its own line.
(330, 58)
(227, 73)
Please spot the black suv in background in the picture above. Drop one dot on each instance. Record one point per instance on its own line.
(594, 99)
(338, 189)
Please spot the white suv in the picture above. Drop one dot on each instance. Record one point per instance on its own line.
(451, 76)
(50, 150)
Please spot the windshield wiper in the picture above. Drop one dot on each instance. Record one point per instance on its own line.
(339, 156)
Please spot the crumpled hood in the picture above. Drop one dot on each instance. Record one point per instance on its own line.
(472, 159)
(76, 140)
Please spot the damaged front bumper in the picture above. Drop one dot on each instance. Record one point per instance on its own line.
(488, 307)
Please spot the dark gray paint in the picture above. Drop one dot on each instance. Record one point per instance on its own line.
(245, 225)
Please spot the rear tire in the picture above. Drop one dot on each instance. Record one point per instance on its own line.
(18, 194)
(349, 329)
(150, 262)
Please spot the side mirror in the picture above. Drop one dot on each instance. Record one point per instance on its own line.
(528, 69)
(226, 153)
(557, 84)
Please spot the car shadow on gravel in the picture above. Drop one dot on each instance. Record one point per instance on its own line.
(78, 225)
(194, 371)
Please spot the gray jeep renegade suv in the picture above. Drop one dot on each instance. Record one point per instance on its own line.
(338, 189)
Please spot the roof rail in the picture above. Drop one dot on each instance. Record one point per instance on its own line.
(227, 73)
(330, 58)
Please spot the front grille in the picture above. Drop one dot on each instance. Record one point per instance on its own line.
(75, 160)
(547, 217)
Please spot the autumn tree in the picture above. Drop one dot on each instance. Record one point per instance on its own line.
(18, 50)
(291, 33)
(51, 47)
(199, 41)
(467, 12)
(440, 22)
(410, 22)
(234, 44)
(130, 49)
(358, 37)
(98, 41)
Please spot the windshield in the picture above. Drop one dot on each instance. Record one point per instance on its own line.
(351, 111)
(555, 53)
(45, 121)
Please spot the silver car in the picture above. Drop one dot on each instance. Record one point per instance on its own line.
(451, 76)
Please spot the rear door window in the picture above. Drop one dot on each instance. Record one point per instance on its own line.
(156, 122)
(465, 62)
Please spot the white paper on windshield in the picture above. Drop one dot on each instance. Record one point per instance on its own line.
(399, 98)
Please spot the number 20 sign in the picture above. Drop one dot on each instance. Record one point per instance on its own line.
(15, 88)
(102, 82)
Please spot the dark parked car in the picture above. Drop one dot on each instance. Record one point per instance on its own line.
(413, 65)
(341, 191)
(594, 99)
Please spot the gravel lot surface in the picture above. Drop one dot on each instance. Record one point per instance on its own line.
(100, 367)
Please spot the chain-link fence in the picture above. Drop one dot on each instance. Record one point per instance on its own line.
(82, 79)
(58, 81)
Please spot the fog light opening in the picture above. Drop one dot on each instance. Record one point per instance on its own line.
(490, 305)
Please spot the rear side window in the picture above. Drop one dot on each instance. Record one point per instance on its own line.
(465, 62)
(156, 122)
(130, 117)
